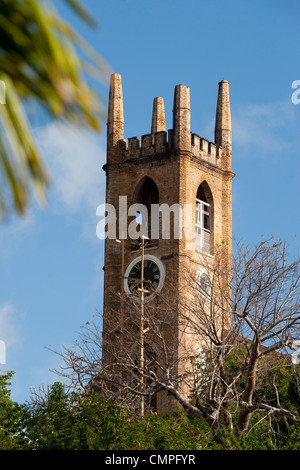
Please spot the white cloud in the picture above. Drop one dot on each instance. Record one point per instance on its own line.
(9, 325)
(265, 127)
(14, 230)
(74, 158)
(258, 129)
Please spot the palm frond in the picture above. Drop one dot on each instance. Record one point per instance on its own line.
(41, 59)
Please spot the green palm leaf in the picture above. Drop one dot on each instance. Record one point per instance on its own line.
(40, 60)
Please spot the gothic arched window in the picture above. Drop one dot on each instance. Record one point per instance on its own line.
(147, 195)
(204, 219)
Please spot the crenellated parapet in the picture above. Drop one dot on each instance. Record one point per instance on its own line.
(179, 140)
(160, 143)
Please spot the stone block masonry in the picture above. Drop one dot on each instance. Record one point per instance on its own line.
(172, 166)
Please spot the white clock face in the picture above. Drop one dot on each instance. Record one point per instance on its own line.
(204, 281)
(154, 276)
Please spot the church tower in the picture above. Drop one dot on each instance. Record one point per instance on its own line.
(166, 171)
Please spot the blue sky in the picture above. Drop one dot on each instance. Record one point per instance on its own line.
(51, 278)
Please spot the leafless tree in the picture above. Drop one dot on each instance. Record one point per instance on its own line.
(253, 314)
(207, 347)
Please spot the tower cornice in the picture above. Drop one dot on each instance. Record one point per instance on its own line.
(162, 158)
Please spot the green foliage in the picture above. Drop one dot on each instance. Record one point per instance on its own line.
(284, 378)
(56, 424)
(155, 433)
(69, 421)
(292, 441)
(105, 425)
(10, 417)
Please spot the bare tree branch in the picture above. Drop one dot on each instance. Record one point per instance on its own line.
(206, 347)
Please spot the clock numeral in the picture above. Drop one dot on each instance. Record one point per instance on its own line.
(152, 276)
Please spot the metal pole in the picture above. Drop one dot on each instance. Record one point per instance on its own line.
(122, 282)
(142, 331)
(122, 287)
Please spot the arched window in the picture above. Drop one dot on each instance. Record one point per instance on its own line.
(147, 195)
(204, 219)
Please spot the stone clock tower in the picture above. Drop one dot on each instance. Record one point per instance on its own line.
(163, 171)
